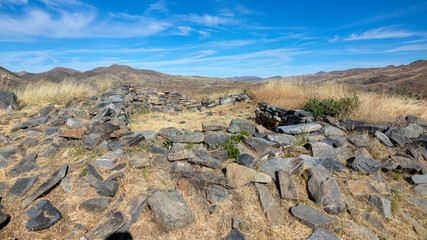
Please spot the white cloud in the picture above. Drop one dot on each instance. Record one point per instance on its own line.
(159, 6)
(381, 33)
(184, 30)
(64, 3)
(209, 20)
(204, 34)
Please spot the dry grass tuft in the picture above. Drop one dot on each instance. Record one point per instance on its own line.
(374, 107)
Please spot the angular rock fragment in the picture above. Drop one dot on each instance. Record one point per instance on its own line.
(272, 166)
(312, 217)
(383, 205)
(206, 177)
(360, 231)
(108, 160)
(417, 179)
(4, 220)
(322, 150)
(92, 176)
(365, 164)
(108, 225)
(216, 193)
(195, 137)
(170, 209)
(139, 160)
(42, 216)
(259, 144)
(27, 164)
(21, 186)
(246, 160)
(299, 128)
(95, 204)
(419, 228)
(269, 206)
(383, 139)
(50, 183)
(361, 187)
(241, 125)
(107, 188)
(281, 138)
(325, 191)
(214, 126)
(234, 234)
(288, 189)
(359, 140)
(322, 234)
(239, 175)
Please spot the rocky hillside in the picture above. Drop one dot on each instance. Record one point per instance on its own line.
(9, 79)
(80, 172)
(412, 77)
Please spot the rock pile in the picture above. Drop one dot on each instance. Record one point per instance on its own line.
(299, 157)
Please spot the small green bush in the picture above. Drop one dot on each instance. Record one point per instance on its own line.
(233, 152)
(331, 107)
(402, 92)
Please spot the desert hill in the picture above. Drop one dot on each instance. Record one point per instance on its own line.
(10, 79)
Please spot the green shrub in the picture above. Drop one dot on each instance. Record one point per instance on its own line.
(331, 107)
(402, 92)
(233, 152)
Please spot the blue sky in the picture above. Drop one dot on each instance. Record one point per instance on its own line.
(220, 38)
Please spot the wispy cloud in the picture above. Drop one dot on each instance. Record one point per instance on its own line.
(209, 20)
(13, 2)
(381, 33)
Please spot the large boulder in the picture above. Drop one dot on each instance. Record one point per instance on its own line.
(8, 100)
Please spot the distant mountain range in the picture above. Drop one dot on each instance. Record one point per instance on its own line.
(412, 77)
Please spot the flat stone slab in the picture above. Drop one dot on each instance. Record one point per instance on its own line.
(108, 160)
(107, 188)
(241, 125)
(42, 216)
(360, 231)
(361, 187)
(239, 175)
(365, 164)
(216, 193)
(421, 189)
(281, 138)
(95, 204)
(206, 177)
(246, 160)
(21, 186)
(276, 164)
(195, 137)
(322, 150)
(288, 189)
(170, 209)
(383, 139)
(108, 225)
(332, 165)
(419, 228)
(299, 128)
(259, 144)
(51, 182)
(383, 205)
(312, 217)
(269, 206)
(417, 179)
(417, 201)
(214, 126)
(27, 164)
(234, 234)
(323, 234)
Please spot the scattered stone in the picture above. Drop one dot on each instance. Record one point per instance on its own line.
(331, 131)
(406, 163)
(382, 204)
(399, 138)
(299, 128)
(259, 144)
(241, 125)
(170, 209)
(374, 222)
(109, 159)
(272, 166)
(234, 235)
(361, 188)
(360, 231)
(324, 190)
(107, 188)
(312, 217)
(108, 225)
(288, 189)
(72, 133)
(8, 100)
(42, 216)
(421, 189)
(65, 184)
(282, 139)
(178, 167)
(77, 231)
(4, 220)
(322, 234)
(139, 160)
(196, 137)
(21, 186)
(332, 165)
(216, 194)
(322, 150)
(92, 176)
(95, 204)
(419, 228)
(336, 142)
(246, 160)
(74, 123)
(202, 158)
(359, 140)
(383, 139)
(417, 179)
(411, 131)
(118, 167)
(365, 164)
(351, 207)
(239, 175)
(417, 201)
(206, 178)
(50, 183)
(214, 126)
(51, 131)
(27, 164)
(134, 207)
(269, 206)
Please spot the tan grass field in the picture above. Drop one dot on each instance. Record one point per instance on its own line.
(374, 107)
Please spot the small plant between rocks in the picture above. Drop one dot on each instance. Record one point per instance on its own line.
(331, 107)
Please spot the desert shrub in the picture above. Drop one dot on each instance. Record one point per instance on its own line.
(331, 107)
(233, 152)
(402, 92)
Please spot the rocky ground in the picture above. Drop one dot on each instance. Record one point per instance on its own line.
(81, 172)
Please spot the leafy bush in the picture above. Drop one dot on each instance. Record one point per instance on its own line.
(331, 107)
(402, 92)
(233, 152)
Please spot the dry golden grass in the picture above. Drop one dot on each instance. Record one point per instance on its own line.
(43, 92)
(193, 120)
(374, 107)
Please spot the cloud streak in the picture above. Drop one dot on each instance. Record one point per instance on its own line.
(382, 33)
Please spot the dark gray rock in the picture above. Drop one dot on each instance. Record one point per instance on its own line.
(134, 139)
(206, 178)
(269, 206)
(74, 123)
(234, 234)
(206, 161)
(215, 140)
(351, 207)
(411, 131)
(383, 139)
(288, 189)
(148, 134)
(331, 131)
(406, 163)
(158, 150)
(417, 201)
(272, 166)
(299, 128)
(170, 209)
(365, 164)
(323, 188)
(134, 207)
(214, 126)
(139, 160)
(4, 220)
(259, 144)
(332, 165)
(46, 186)
(417, 179)
(8, 100)
(374, 222)
(398, 138)
(246, 160)
(108, 225)
(336, 141)
(92, 176)
(216, 193)
(322, 234)
(51, 131)
(282, 139)
(21, 186)
(5, 154)
(181, 166)
(95, 204)
(107, 188)
(312, 217)
(51, 150)
(360, 231)
(220, 154)
(42, 216)
(359, 140)
(169, 132)
(241, 125)
(196, 137)
(108, 160)
(322, 150)
(27, 164)
(383, 205)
